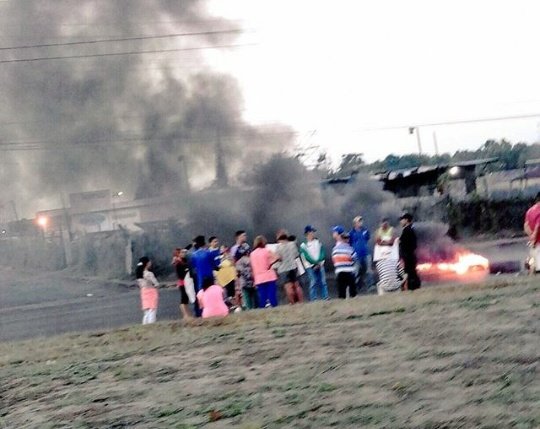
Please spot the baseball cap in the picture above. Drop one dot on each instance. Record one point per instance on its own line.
(358, 219)
(338, 229)
(309, 228)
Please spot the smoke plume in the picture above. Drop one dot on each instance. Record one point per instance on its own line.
(282, 193)
(434, 244)
(119, 122)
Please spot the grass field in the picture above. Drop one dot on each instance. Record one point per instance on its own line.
(452, 357)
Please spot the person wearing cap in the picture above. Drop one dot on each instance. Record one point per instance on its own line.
(407, 252)
(344, 260)
(360, 236)
(313, 256)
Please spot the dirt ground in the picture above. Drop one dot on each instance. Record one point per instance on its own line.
(452, 357)
(44, 304)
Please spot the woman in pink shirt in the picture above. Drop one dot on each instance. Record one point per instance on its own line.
(265, 278)
(210, 299)
(148, 285)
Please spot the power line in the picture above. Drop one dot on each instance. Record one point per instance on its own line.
(40, 145)
(462, 121)
(123, 39)
(113, 54)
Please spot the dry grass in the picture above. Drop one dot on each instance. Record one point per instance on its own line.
(455, 357)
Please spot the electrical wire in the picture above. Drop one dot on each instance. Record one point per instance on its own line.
(113, 54)
(123, 39)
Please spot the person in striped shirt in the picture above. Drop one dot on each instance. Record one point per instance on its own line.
(344, 259)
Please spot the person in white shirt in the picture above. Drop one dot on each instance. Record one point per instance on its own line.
(313, 257)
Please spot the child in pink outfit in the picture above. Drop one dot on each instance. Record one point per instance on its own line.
(148, 286)
(210, 299)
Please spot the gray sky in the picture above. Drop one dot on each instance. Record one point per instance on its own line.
(345, 66)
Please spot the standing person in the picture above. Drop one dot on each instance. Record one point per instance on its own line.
(360, 236)
(313, 257)
(181, 268)
(226, 277)
(407, 252)
(213, 243)
(245, 278)
(385, 235)
(240, 239)
(210, 299)
(287, 253)
(203, 264)
(384, 252)
(264, 276)
(215, 249)
(148, 285)
(532, 229)
(344, 260)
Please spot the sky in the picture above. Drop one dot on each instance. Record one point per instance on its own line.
(338, 72)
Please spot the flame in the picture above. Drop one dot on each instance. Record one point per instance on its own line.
(463, 263)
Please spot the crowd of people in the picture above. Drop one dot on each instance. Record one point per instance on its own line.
(214, 280)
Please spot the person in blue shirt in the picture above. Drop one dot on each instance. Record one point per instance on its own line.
(203, 264)
(359, 238)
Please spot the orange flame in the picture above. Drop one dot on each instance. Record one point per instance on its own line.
(464, 262)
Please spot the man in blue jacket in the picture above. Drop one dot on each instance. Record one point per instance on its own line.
(203, 264)
(359, 237)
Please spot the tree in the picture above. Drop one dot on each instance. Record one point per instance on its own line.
(350, 163)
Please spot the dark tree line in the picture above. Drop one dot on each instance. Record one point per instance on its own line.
(511, 156)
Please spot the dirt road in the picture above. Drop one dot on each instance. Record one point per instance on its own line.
(33, 305)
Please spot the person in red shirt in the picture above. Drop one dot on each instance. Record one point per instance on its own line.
(532, 229)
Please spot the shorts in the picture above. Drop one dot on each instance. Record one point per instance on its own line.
(184, 298)
(231, 289)
(288, 277)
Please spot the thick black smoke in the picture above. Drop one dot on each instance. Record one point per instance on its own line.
(118, 122)
(434, 244)
(281, 193)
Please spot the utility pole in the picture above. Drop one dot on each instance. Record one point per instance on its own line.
(412, 130)
(435, 143)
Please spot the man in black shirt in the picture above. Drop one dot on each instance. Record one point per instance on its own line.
(407, 252)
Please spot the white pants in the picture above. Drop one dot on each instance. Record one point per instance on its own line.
(149, 317)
